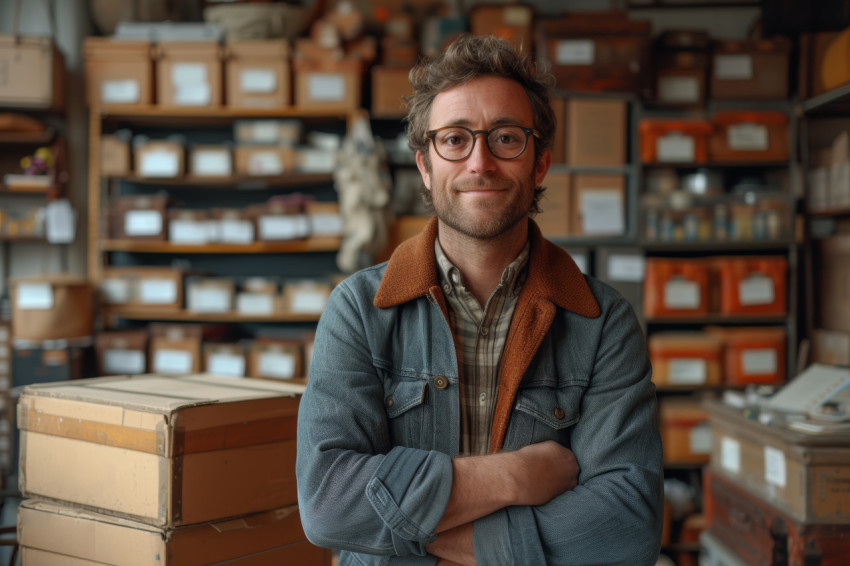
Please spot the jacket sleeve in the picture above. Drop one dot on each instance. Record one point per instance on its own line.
(356, 491)
(614, 515)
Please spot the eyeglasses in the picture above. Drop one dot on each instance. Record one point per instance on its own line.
(455, 143)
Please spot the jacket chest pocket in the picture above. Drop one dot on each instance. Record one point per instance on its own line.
(544, 413)
(404, 402)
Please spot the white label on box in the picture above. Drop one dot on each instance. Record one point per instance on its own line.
(257, 81)
(188, 73)
(265, 163)
(326, 87)
(687, 371)
(316, 161)
(681, 294)
(236, 231)
(326, 224)
(774, 466)
(626, 268)
(265, 131)
(759, 361)
(121, 361)
(277, 365)
(187, 232)
(700, 439)
(280, 227)
(838, 190)
(61, 221)
(124, 91)
(211, 162)
(192, 94)
(308, 301)
(115, 291)
(209, 299)
(756, 289)
(733, 67)
(675, 147)
(226, 364)
(602, 212)
(143, 223)
(158, 291)
(172, 361)
(679, 89)
(730, 454)
(747, 137)
(516, 16)
(575, 52)
(159, 163)
(255, 303)
(35, 296)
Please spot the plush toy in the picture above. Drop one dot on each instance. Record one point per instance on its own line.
(40, 163)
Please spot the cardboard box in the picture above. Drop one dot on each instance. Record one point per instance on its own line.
(115, 155)
(52, 533)
(40, 364)
(305, 297)
(389, 86)
(151, 286)
(175, 352)
(210, 161)
(598, 205)
(750, 69)
(158, 158)
(210, 294)
(263, 160)
(225, 359)
(674, 141)
(749, 136)
(191, 226)
(685, 431)
(118, 72)
(554, 217)
(188, 74)
(325, 218)
(235, 225)
(681, 66)
(830, 347)
(275, 358)
(140, 217)
(511, 22)
(33, 73)
(257, 73)
(121, 352)
(833, 299)
(162, 450)
(596, 132)
(267, 132)
(686, 358)
(675, 287)
(328, 83)
(51, 307)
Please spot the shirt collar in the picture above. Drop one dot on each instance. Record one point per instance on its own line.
(451, 278)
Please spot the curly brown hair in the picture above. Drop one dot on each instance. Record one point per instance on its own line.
(469, 57)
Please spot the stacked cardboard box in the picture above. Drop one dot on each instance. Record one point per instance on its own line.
(177, 470)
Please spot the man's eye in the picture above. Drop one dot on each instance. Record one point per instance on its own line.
(454, 139)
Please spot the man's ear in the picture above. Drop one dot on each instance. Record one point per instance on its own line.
(542, 167)
(423, 169)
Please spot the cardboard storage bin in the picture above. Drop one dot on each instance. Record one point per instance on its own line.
(674, 141)
(276, 359)
(175, 349)
(257, 296)
(555, 206)
(115, 155)
(598, 205)
(328, 83)
(118, 72)
(685, 432)
(305, 297)
(681, 67)
(52, 533)
(210, 161)
(251, 160)
(142, 286)
(750, 69)
(43, 362)
(121, 352)
(159, 158)
(35, 73)
(234, 225)
(750, 285)
(140, 217)
(227, 359)
(752, 354)
(162, 450)
(596, 132)
(210, 294)
(389, 86)
(51, 307)
(685, 359)
(805, 475)
(675, 287)
(257, 73)
(190, 226)
(749, 136)
(511, 22)
(188, 74)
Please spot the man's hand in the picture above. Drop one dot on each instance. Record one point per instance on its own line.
(545, 469)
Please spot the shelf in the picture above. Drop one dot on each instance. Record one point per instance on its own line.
(148, 313)
(23, 190)
(312, 244)
(730, 246)
(251, 182)
(27, 138)
(590, 241)
(719, 319)
(830, 213)
(835, 101)
(684, 465)
(163, 115)
(717, 165)
(28, 239)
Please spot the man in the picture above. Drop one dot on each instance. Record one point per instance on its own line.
(477, 399)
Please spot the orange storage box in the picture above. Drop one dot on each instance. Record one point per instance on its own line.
(685, 358)
(750, 285)
(752, 354)
(674, 141)
(749, 136)
(675, 287)
(685, 431)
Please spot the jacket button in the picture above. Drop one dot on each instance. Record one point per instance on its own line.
(390, 401)
(440, 382)
(559, 413)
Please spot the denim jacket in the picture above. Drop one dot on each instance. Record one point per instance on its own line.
(379, 421)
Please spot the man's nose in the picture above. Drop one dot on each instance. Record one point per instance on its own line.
(481, 159)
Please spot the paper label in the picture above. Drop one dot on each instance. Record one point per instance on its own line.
(236, 231)
(602, 212)
(187, 232)
(255, 303)
(681, 294)
(700, 439)
(159, 163)
(211, 162)
(143, 223)
(747, 137)
(257, 81)
(730, 454)
(35, 296)
(277, 365)
(158, 291)
(209, 299)
(326, 87)
(316, 161)
(280, 227)
(265, 131)
(676, 147)
(774, 466)
(192, 94)
(121, 361)
(687, 371)
(575, 52)
(308, 301)
(124, 91)
(188, 73)
(626, 268)
(326, 224)
(265, 163)
(115, 291)
(61, 221)
(679, 89)
(226, 364)
(759, 361)
(516, 16)
(733, 67)
(172, 361)
(757, 289)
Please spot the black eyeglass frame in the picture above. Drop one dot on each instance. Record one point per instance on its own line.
(431, 134)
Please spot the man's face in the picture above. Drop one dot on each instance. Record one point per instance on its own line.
(482, 196)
